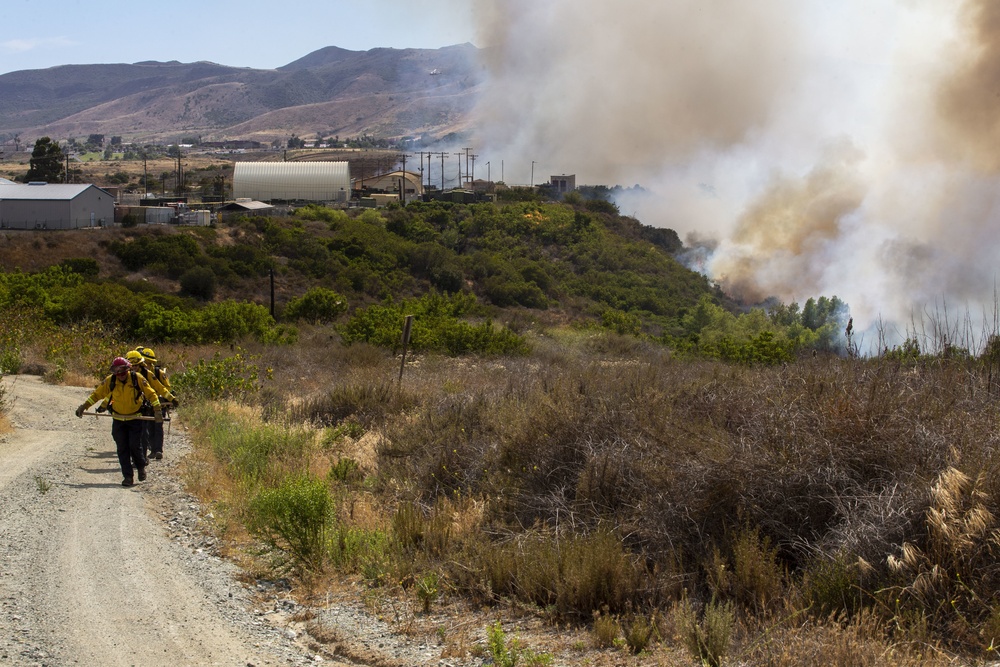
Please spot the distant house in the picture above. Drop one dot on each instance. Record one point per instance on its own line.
(54, 206)
(563, 183)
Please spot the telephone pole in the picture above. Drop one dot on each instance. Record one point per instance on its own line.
(443, 156)
(460, 168)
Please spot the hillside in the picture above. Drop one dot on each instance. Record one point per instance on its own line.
(551, 261)
(332, 91)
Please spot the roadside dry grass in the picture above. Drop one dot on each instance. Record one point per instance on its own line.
(569, 483)
(843, 510)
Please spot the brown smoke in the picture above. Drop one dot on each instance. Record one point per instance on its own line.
(776, 243)
(969, 98)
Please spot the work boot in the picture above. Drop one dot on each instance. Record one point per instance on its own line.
(128, 482)
(158, 455)
(142, 474)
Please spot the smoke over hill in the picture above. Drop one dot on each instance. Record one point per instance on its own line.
(821, 148)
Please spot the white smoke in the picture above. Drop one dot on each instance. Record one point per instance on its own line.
(846, 149)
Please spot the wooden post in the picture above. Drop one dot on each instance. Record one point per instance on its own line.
(272, 294)
(407, 327)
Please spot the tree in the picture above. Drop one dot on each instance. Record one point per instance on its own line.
(46, 163)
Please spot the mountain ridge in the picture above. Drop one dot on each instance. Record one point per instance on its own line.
(330, 92)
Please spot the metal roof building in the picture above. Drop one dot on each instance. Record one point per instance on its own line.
(54, 206)
(392, 181)
(292, 181)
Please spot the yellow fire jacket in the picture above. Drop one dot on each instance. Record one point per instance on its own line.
(162, 390)
(126, 403)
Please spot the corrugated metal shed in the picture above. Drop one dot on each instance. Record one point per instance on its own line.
(292, 181)
(54, 206)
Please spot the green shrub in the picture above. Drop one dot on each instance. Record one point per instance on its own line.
(296, 518)
(169, 254)
(84, 266)
(625, 324)
(198, 282)
(436, 327)
(159, 324)
(110, 303)
(318, 305)
(428, 589)
(221, 377)
(232, 320)
(511, 653)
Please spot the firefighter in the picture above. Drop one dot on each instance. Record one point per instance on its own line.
(152, 432)
(127, 391)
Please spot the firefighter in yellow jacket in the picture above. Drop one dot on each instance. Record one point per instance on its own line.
(152, 432)
(127, 391)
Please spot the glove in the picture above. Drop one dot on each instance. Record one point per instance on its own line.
(158, 415)
(80, 410)
(103, 407)
(174, 402)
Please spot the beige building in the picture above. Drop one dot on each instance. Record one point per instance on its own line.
(292, 181)
(563, 183)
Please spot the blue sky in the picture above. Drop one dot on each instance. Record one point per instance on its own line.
(247, 33)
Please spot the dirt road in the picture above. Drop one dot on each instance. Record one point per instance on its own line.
(90, 574)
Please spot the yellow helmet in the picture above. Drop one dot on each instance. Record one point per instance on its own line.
(149, 354)
(134, 358)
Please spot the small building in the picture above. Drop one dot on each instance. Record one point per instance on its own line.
(563, 184)
(390, 183)
(54, 206)
(244, 208)
(292, 181)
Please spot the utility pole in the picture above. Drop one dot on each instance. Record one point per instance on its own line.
(488, 173)
(402, 190)
(473, 176)
(443, 156)
(459, 168)
(467, 161)
(145, 178)
(428, 154)
(532, 173)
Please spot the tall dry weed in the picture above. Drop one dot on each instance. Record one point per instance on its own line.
(951, 576)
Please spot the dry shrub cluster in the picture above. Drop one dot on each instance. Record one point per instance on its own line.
(770, 499)
(748, 484)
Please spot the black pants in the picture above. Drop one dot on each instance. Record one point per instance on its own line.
(152, 437)
(128, 441)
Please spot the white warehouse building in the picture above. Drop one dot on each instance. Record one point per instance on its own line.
(54, 206)
(292, 181)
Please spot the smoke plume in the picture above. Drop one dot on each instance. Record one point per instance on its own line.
(846, 149)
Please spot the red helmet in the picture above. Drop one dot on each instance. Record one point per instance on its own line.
(120, 361)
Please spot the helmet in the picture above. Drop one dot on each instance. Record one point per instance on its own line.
(138, 348)
(149, 354)
(134, 357)
(117, 364)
